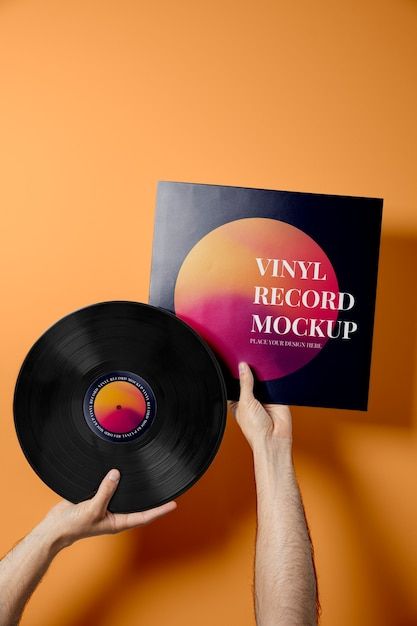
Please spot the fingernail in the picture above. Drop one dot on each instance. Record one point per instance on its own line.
(114, 475)
(242, 368)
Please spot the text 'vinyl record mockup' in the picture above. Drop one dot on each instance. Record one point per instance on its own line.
(125, 385)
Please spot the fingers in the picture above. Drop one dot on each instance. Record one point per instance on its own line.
(105, 491)
(246, 382)
(159, 511)
(131, 520)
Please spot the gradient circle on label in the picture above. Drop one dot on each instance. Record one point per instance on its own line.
(216, 286)
(119, 406)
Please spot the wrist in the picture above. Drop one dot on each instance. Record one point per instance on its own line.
(273, 463)
(51, 537)
(273, 449)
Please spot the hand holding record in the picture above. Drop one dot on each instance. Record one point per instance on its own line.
(67, 522)
(22, 569)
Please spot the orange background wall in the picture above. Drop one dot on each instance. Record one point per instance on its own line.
(101, 98)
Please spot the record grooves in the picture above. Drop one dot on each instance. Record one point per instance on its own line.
(126, 385)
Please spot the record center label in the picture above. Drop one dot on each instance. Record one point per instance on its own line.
(119, 406)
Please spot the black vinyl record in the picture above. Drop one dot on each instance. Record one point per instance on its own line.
(125, 385)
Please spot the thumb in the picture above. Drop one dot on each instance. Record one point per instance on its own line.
(106, 490)
(246, 382)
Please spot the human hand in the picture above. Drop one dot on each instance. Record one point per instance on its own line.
(260, 423)
(67, 522)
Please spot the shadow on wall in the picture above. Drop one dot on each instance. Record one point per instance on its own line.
(390, 405)
(207, 514)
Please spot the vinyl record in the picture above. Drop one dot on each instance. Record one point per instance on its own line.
(125, 385)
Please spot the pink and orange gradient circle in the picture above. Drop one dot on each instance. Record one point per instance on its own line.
(215, 290)
(119, 407)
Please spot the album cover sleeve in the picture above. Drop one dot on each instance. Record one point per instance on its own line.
(283, 280)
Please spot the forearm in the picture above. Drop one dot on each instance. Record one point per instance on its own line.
(22, 569)
(285, 582)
